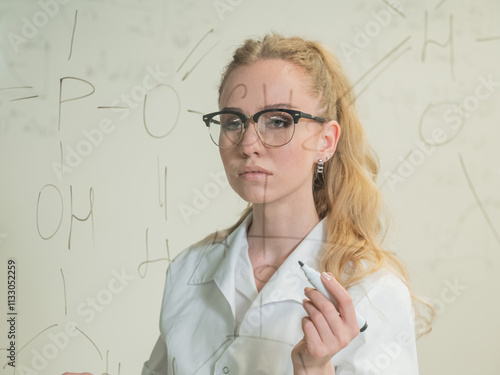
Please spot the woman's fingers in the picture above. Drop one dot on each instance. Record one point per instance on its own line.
(343, 298)
(328, 326)
(345, 325)
(322, 320)
(311, 335)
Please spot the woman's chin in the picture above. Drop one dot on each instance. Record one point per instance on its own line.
(254, 198)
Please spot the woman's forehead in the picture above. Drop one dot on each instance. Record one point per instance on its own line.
(266, 82)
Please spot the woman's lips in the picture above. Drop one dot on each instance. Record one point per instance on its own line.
(254, 173)
(253, 176)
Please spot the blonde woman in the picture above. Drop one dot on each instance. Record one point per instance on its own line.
(238, 302)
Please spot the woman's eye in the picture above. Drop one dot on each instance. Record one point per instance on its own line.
(234, 124)
(278, 122)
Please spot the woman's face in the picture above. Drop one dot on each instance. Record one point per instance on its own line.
(286, 172)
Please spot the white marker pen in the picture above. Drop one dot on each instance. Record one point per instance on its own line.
(314, 278)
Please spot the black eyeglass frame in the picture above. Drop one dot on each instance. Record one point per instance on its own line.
(296, 115)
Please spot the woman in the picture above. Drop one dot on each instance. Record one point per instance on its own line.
(293, 147)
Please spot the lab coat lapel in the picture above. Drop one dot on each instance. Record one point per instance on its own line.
(218, 263)
(289, 281)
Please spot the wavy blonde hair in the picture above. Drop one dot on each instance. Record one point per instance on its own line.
(346, 193)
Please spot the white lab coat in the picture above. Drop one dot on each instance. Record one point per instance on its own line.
(197, 323)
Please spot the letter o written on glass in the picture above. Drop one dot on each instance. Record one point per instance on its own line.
(159, 105)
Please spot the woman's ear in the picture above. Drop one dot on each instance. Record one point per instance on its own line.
(330, 138)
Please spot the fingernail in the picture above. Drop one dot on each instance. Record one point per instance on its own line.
(307, 290)
(326, 276)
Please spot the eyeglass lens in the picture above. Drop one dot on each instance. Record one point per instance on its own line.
(275, 128)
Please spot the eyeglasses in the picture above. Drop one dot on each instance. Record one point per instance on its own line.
(275, 127)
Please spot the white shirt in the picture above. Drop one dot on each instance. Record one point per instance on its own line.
(212, 322)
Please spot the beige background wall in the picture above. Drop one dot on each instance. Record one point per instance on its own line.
(152, 188)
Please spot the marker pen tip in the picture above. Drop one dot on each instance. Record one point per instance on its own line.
(301, 264)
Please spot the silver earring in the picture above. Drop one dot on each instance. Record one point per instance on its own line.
(320, 166)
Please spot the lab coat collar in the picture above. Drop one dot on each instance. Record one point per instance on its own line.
(289, 281)
(218, 263)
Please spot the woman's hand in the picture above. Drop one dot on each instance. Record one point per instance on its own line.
(327, 329)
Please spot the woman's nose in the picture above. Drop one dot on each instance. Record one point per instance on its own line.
(250, 138)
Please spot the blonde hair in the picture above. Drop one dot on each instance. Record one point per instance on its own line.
(346, 193)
